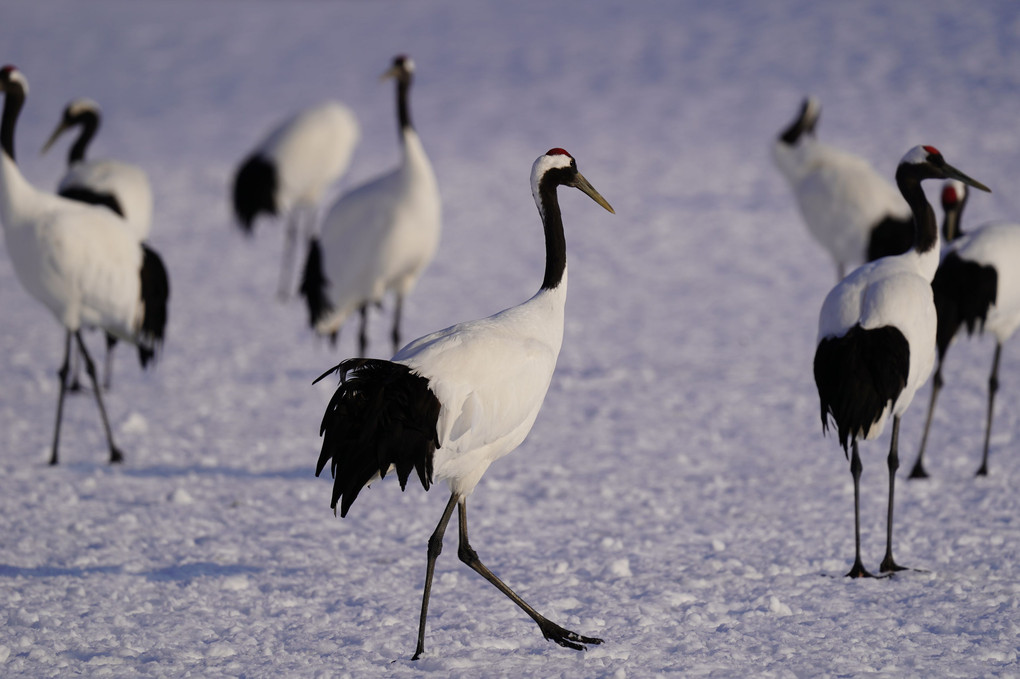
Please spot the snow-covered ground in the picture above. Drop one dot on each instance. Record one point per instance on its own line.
(676, 496)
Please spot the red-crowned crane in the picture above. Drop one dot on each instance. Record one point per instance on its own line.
(876, 337)
(82, 262)
(290, 169)
(377, 238)
(120, 186)
(451, 403)
(850, 209)
(977, 285)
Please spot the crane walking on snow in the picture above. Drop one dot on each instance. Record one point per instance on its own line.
(378, 237)
(977, 285)
(876, 337)
(854, 212)
(80, 261)
(451, 403)
(122, 187)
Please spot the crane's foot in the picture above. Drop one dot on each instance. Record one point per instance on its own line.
(918, 471)
(859, 571)
(116, 457)
(982, 471)
(888, 565)
(565, 637)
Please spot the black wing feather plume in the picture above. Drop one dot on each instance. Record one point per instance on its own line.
(858, 375)
(382, 415)
(964, 292)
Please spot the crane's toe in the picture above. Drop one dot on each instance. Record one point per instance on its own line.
(566, 638)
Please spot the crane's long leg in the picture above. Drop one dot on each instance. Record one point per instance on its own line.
(111, 342)
(435, 547)
(888, 564)
(397, 311)
(363, 333)
(918, 471)
(90, 368)
(75, 384)
(993, 386)
(287, 263)
(62, 374)
(857, 570)
(550, 630)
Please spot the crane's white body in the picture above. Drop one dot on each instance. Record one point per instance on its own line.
(380, 237)
(892, 291)
(997, 245)
(310, 150)
(79, 260)
(491, 377)
(840, 195)
(128, 183)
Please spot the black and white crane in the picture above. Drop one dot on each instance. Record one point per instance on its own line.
(122, 187)
(290, 169)
(451, 403)
(850, 209)
(377, 238)
(876, 337)
(82, 262)
(977, 285)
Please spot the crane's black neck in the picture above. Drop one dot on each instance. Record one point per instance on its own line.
(792, 134)
(951, 223)
(555, 241)
(89, 121)
(404, 103)
(14, 99)
(926, 233)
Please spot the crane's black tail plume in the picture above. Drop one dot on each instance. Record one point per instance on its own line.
(254, 190)
(314, 285)
(382, 415)
(155, 297)
(858, 375)
(964, 291)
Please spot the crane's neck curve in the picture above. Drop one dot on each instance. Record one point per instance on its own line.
(926, 232)
(552, 221)
(89, 122)
(404, 105)
(14, 99)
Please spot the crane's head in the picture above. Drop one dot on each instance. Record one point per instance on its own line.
(926, 162)
(78, 112)
(804, 123)
(954, 194)
(11, 79)
(558, 168)
(402, 69)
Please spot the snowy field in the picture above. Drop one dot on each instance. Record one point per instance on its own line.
(676, 496)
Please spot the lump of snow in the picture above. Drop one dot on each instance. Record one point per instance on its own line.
(181, 497)
(220, 649)
(777, 607)
(235, 583)
(135, 424)
(620, 568)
